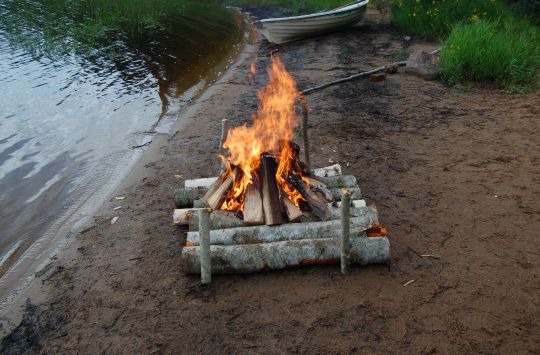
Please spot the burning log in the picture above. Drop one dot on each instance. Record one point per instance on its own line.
(215, 197)
(185, 197)
(270, 201)
(292, 212)
(286, 254)
(291, 231)
(253, 205)
(305, 137)
(318, 207)
(321, 188)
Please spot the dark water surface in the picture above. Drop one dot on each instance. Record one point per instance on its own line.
(69, 118)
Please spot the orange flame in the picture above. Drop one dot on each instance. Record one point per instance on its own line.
(274, 121)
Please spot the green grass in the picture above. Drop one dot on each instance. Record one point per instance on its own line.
(483, 40)
(435, 18)
(506, 53)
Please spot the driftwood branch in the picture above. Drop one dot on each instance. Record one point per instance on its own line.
(359, 75)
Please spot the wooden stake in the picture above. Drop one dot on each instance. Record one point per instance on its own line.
(270, 194)
(253, 205)
(345, 232)
(224, 133)
(204, 234)
(305, 115)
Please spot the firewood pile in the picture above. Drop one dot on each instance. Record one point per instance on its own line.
(272, 232)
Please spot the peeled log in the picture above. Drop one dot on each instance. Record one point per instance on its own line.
(185, 197)
(356, 194)
(204, 182)
(181, 217)
(290, 231)
(332, 170)
(339, 181)
(218, 220)
(287, 254)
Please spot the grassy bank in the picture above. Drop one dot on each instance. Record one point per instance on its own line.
(507, 53)
(483, 40)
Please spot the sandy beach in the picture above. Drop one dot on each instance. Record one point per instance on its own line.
(455, 178)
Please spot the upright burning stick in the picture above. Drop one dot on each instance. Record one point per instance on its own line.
(204, 235)
(345, 231)
(305, 114)
(224, 132)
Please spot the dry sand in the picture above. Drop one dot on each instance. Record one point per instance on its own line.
(455, 176)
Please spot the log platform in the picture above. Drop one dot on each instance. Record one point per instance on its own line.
(250, 242)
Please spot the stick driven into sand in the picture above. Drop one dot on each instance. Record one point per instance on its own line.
(305, 115)
(345, 232)
(204, 235)
(224, 133)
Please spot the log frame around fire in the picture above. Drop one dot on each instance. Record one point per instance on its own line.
(269, 210)
(235, 246)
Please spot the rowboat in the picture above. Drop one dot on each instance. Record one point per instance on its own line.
(287, 29)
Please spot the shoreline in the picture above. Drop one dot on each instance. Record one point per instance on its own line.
(451, 175)
(18, 283)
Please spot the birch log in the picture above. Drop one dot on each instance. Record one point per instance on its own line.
(356, 193)
(204, 250)
(204, 182)
(290, 231)
(286, 254)
(218, 220)
(339, 181)
(185, 197)
(181, 217)
(346, 232)
(332, 170)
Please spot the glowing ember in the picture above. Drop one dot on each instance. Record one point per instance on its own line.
(272, 130)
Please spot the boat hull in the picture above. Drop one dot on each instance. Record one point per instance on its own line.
(294, 28)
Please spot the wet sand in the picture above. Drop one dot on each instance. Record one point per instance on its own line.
(454, 176)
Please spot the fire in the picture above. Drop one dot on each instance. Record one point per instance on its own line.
(273, 127)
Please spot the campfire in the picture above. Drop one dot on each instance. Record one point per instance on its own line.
(264, 180)
(267, 209)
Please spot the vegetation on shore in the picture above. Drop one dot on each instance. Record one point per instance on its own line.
(483, 40)
(47, 27)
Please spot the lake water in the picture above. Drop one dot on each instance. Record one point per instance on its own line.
(69, 120)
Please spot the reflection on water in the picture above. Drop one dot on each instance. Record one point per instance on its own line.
(69, 115)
